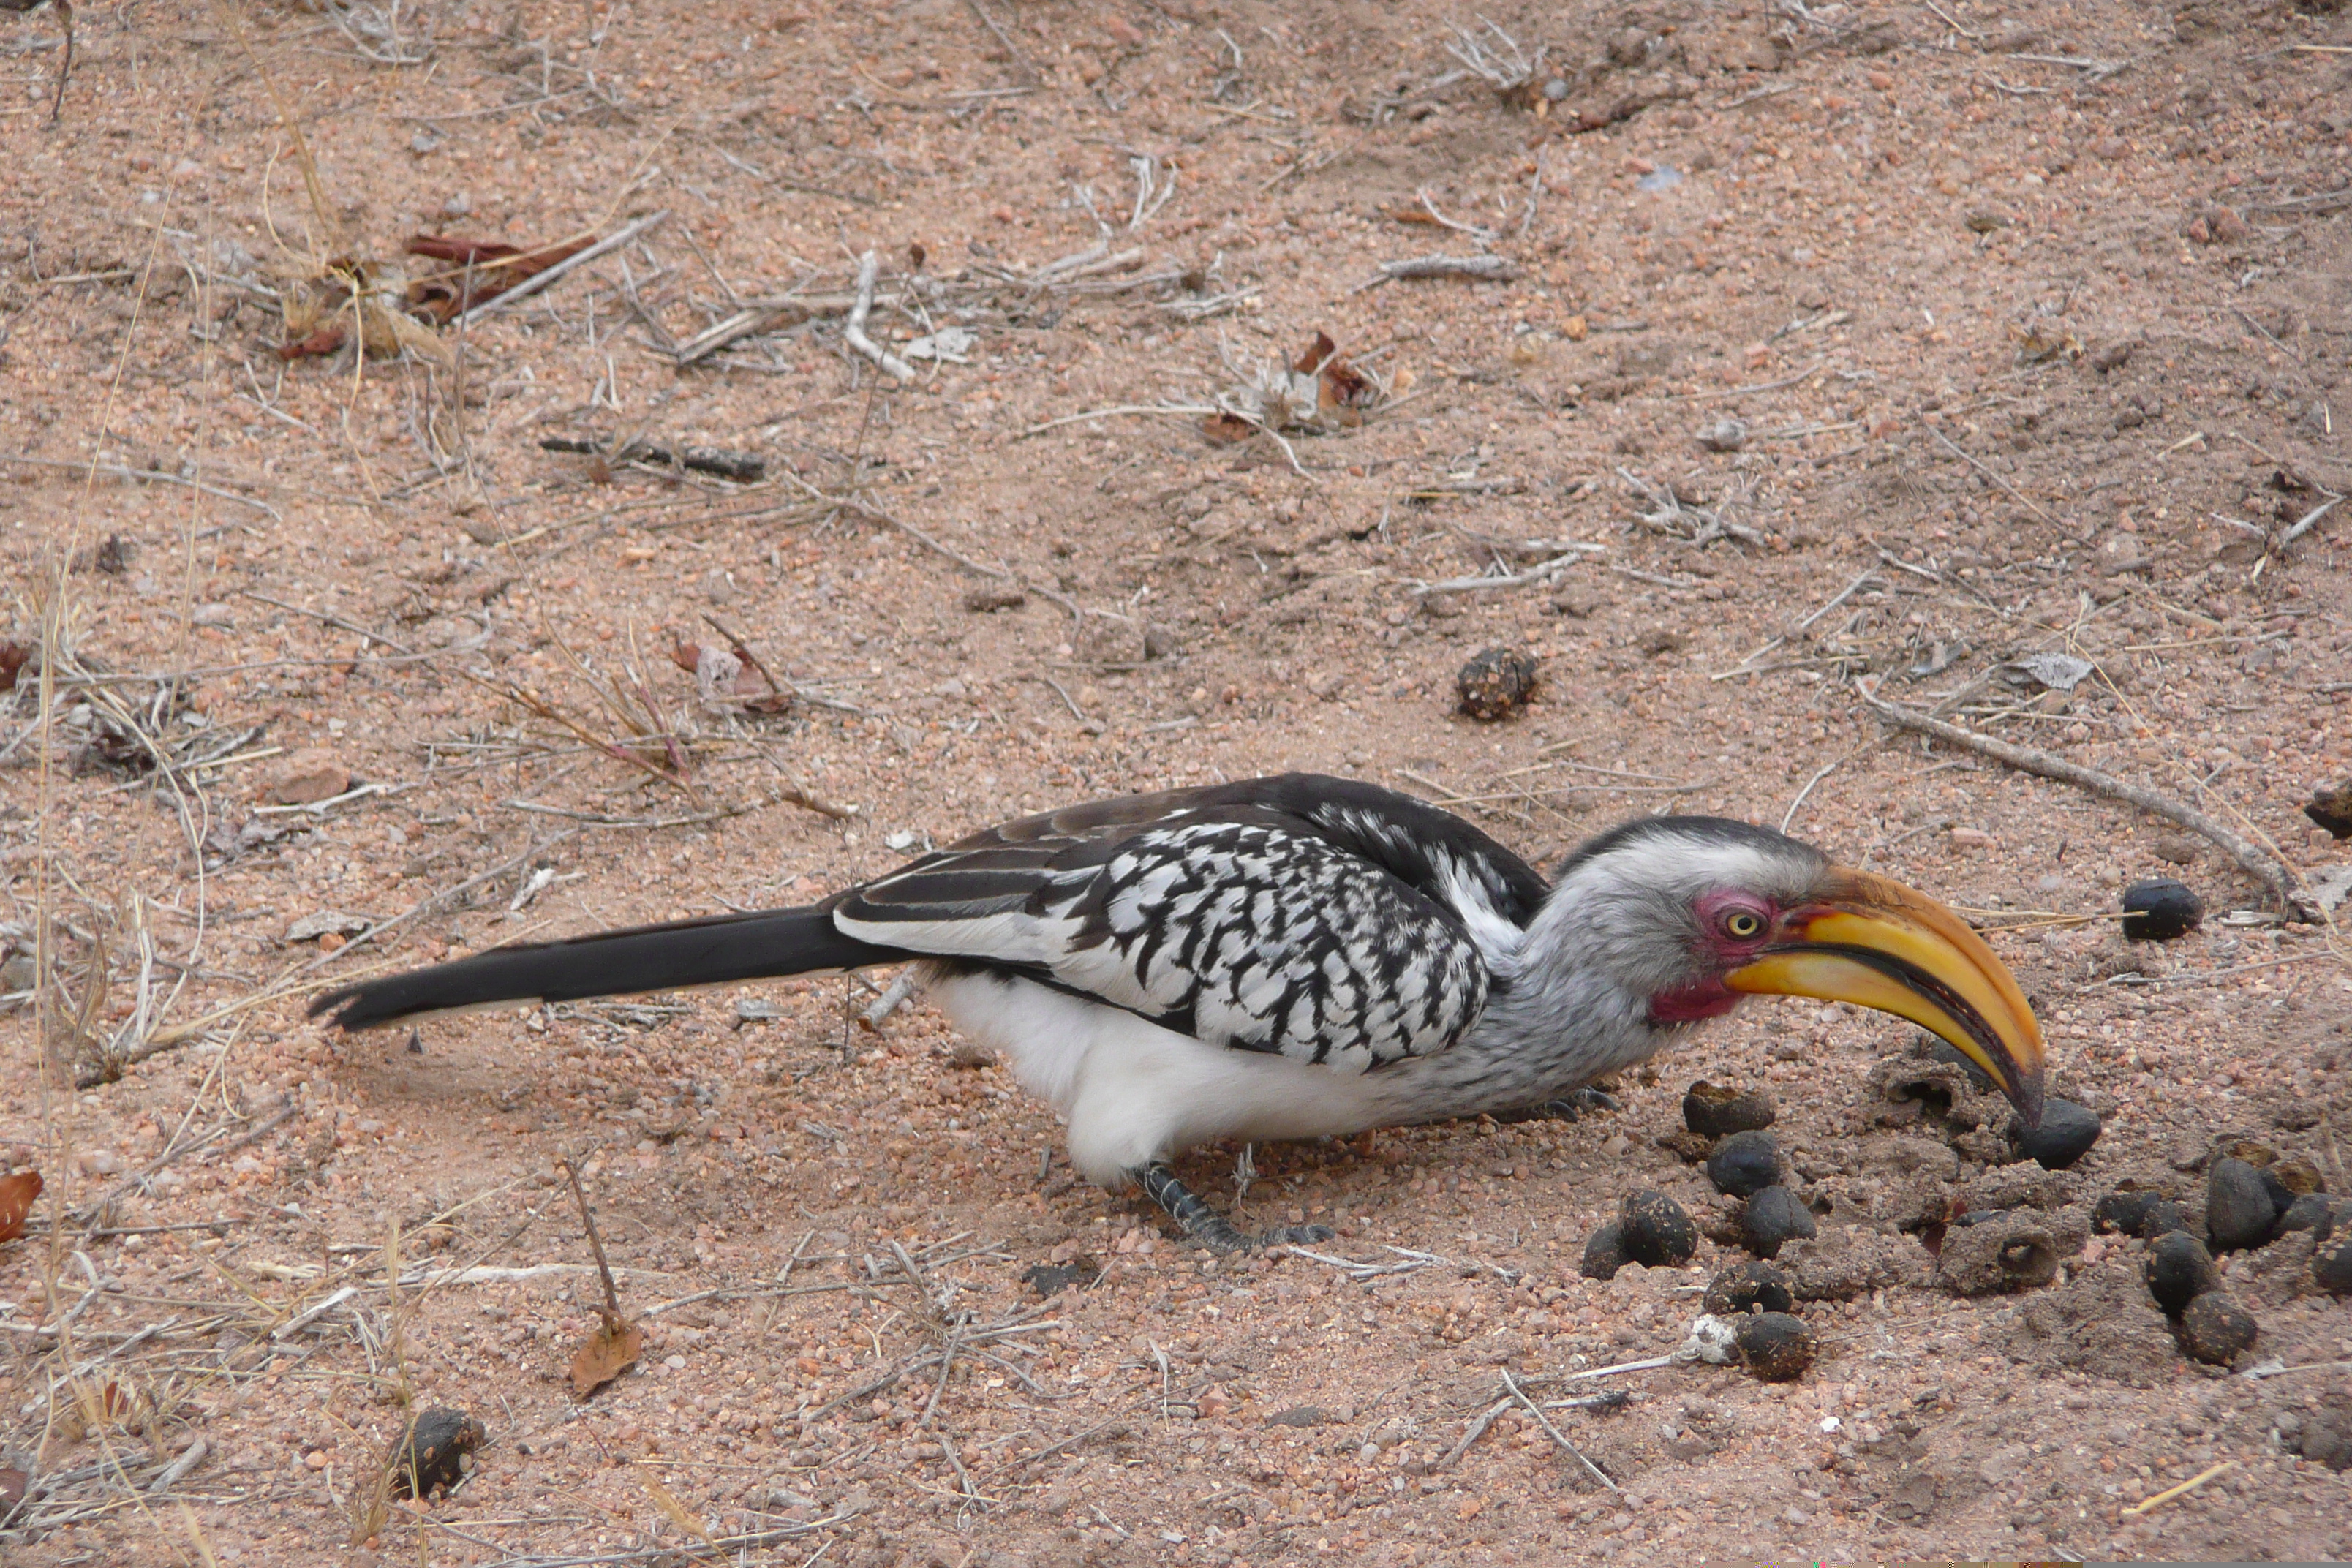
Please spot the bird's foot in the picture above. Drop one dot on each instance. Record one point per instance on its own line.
(1211, 1229)
(1572, 1107)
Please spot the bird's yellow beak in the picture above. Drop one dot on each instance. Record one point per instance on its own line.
(1878, 943)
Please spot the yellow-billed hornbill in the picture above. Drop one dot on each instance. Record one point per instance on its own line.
(1298, 956)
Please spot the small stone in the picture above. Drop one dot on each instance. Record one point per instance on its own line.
(1723, 435)
(1495, 684)
(1605, 1253)
(2180, 1270)
(989, 598)
(2239, 1210)
(1744, 1164)
(1555, 89)
(434, 1456)
(1717, 1110)
(2065, 1135)
(1772, 1217)
(2159, 909)
(2216, 1330)
(1751, 1286)
(307, 777)
(2331, 1265)
(1776, 1346)
(1299, 1415)
(1655, 1232)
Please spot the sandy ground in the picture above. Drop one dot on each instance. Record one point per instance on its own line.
(2034, 321)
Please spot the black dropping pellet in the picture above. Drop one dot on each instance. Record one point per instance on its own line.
(2180, 1270)
(1753, 1286)
(1772, 1217)
(1655, 1232)
(1744, 1164)
(2159, 908)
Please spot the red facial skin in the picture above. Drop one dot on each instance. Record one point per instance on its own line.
(1722, 950)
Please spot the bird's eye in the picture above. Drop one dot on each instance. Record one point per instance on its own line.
(1742, 924)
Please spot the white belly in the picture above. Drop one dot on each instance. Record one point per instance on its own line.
(1133, 1092)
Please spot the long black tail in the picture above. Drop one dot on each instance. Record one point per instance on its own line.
(765, 944)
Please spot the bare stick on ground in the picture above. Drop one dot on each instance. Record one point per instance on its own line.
(2255, 862)
(868, 265)
(617, 1343)
(1544, 1422)
(1495, 269)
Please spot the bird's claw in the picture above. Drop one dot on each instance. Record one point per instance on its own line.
(1572, 1107)
(1298, 1236)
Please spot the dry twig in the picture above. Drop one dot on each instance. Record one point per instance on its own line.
(2256, 862)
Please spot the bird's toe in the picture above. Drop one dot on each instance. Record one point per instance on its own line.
(1299, 1235)
(1573, 1107)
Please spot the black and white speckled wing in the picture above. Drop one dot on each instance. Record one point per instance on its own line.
(1320, 919)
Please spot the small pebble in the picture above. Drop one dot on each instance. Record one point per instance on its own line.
(1743, 1165)
(1723, 435)
(2159, 908)
(2332, 1264)
(1717, 1110)
(1655, 1232)
(1605, 1253)
(2239, 1210)
(2180, 1270)
(2216, 1330)
(1777, 1347)
(1753, 1286)
(2065, 1135)
(1495, 683)
(1773, 1216)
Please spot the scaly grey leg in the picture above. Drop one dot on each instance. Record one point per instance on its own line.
(1213, 1230)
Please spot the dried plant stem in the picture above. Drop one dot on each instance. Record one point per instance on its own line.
(869, 267)
(595, 1242)
(2255, 862)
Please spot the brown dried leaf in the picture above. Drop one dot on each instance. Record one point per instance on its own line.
(13, 655)
(1227, 429)
(605, 1354)
(1338, 385)
(13, 1483)
(17, 1195)
(479, 270)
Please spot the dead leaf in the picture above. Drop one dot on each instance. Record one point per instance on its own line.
(14, 657)
(13, 1483)
(666, 1500)
(479, 271)
(1339, 384)
(1227, 429)
(605, 1354)
(17, 1195)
